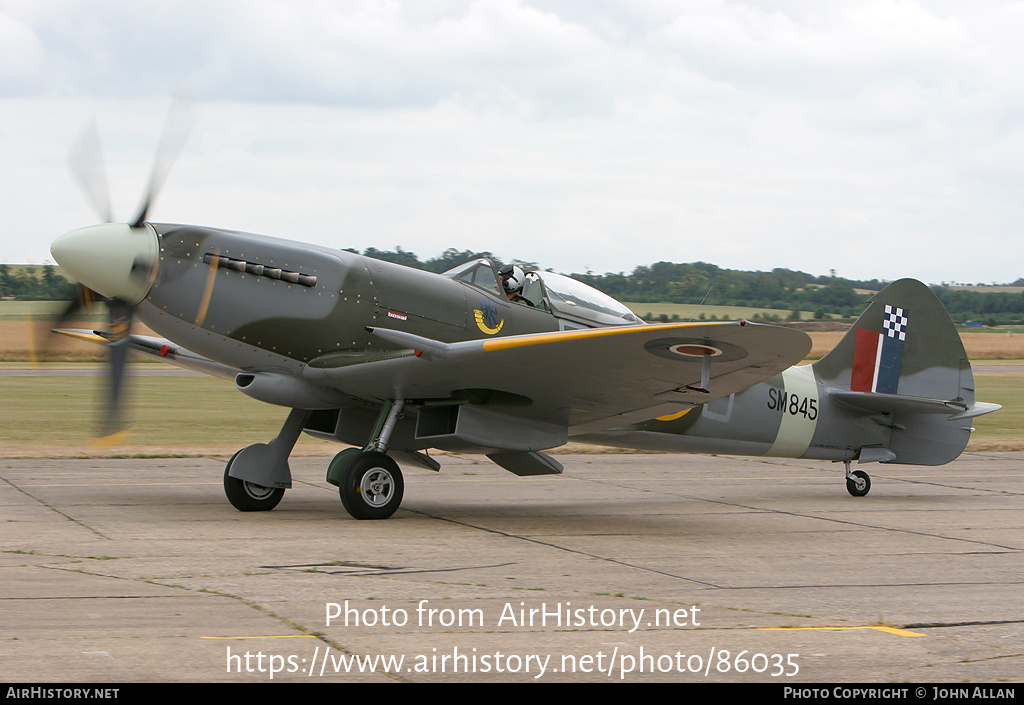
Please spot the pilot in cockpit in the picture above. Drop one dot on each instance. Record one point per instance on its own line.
(521, 288)
(512, 279)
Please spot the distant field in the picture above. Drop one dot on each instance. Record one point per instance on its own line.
(989, 289)
(24, 310)
(19, 310)
(980, 345)
(693, 311)
(1003, 430)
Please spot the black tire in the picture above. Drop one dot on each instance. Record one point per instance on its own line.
(247, 496)
(371, 486)
(858, 485)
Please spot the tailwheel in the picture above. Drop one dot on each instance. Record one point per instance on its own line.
(858, 483)
(247, 496)
(371, 486)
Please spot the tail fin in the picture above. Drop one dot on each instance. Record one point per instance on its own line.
(904, 363)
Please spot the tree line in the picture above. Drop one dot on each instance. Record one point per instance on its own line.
(35, 283)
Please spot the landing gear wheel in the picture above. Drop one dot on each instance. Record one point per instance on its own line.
(858, 483)
(371, 486)
(247, 496)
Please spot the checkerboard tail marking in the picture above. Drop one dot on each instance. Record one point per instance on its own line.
(878, 357)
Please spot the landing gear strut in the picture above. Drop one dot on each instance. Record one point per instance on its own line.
(858, 483)
(257, 476)
(369, 482)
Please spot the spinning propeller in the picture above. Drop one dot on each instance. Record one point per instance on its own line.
(117, 262)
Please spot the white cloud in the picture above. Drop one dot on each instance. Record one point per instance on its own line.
(753, 135)
(20, 52)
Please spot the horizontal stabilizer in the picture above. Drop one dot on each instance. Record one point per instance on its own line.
(897, 403)
(979, 408)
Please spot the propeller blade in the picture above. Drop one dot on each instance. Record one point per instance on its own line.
(33, 348)
(86, 158)
(81, 301)
(87, 164)
(180, 120)
(211, 279)
(113, 427)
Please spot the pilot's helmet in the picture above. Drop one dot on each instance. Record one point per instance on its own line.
(512, 277)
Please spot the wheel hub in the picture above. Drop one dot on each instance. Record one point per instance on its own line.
(377, 487)
(257, 491)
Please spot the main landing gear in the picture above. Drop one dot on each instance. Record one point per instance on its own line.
(858, 483)
(369, 481)
(370, 484)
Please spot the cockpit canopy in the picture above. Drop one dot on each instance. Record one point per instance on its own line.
(565, 297)
(570, 298)
(479, 272)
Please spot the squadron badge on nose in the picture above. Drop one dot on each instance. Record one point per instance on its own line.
(487, 318)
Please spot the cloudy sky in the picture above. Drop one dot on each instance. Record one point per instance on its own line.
(879, 138)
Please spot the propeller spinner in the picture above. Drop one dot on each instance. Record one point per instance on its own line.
(115, 260)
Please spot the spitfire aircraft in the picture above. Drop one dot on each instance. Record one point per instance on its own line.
(396, 361)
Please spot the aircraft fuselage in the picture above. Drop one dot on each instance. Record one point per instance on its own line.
(285, 303)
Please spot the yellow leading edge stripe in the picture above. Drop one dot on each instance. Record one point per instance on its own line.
(91, 337)
(520, 341)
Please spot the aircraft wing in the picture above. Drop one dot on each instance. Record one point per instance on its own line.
(161, 348)
(582, 379)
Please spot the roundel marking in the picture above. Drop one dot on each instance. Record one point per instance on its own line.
(695, 350)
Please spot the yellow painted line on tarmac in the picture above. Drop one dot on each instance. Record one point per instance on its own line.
(277, 636)
(887, 630)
